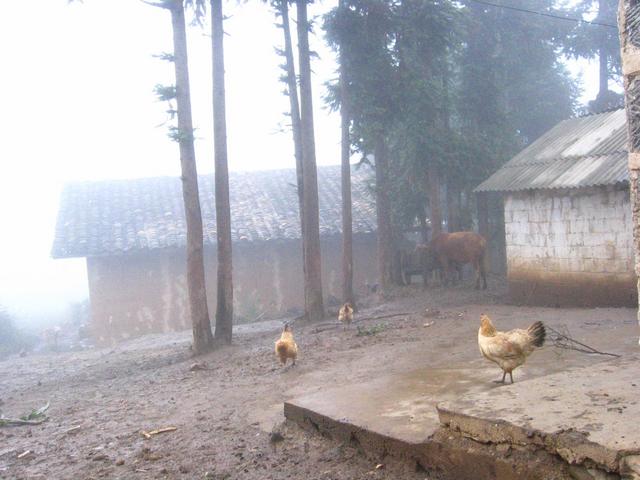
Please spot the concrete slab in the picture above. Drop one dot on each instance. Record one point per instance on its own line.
(400, 406)
(391, 410)
(587, 416)
(396, 416)
(548, 425)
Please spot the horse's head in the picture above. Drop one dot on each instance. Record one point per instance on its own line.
(426, 255)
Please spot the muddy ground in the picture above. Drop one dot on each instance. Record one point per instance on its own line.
(229, 416)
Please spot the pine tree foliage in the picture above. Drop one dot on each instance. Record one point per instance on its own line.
(456, 88)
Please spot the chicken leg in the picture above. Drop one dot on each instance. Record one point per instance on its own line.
(504, 375)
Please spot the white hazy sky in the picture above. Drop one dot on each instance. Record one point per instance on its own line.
(79, 105)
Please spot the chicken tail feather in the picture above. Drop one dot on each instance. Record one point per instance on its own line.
(538, 333)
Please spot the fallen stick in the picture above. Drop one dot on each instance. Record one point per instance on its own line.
(323, 327)
(36, 417)
(320, 330)
(327, 324)
(561, 340)
(24, 454)
(156, 432)
(73, 429)
(16, 422)
(388, 315)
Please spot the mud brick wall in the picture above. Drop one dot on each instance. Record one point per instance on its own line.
(570, 247)
(132, 295)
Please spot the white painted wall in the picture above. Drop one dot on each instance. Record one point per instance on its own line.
(586, 230)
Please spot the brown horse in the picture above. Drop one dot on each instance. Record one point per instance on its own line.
(423, 257)
(447, 250)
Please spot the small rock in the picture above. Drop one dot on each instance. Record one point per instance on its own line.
(579, 472)
(630, 467)
(198, 366)
(119, 462)
(503, 448)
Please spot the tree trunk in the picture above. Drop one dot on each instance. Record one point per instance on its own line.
(453, 210)
(424, 228)
(292, 87)
(311, 229)
(435, 209)
(602, 54)
(629, 43)
(294, 105)
(482, 204)
(345, 155)
(604, 73)
(202, 339)
(466, 209)
(383, 214)
(224, 310)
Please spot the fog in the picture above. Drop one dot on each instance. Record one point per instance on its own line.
(79, 105)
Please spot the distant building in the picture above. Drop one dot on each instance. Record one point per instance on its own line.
(568, 215)
(133, 235)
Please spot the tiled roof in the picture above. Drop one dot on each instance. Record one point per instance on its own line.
(579, 152)
(124, 216)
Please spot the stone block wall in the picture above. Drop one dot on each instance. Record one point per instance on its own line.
(570, 247)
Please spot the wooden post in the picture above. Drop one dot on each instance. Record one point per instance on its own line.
(628, 17)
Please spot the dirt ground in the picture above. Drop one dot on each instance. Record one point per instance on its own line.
(229, 416)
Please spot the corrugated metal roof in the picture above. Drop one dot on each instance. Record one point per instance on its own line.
(578, 152)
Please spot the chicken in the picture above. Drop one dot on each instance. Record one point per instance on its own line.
(346, 314)
(508, 349)
(286, 347)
